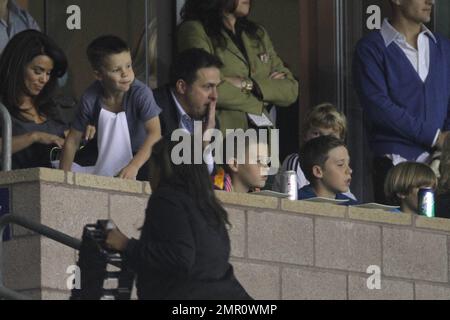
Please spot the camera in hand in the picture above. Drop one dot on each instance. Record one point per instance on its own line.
(104, 273)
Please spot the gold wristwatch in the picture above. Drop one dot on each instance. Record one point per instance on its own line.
(246, 85)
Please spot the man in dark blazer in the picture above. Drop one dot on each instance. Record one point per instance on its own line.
(191, 96)
(192, 92)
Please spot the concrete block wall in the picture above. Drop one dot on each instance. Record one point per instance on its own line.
(281, 249)
(37, 266)
(301, 250)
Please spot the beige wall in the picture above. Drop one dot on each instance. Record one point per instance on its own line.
(280, 249)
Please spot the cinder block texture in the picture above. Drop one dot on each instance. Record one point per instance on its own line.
(128, 212)
(432, 292)
(312, 208)
(280, 237)
(68, 210)
(358, 289)
(346, 245)
(26, 202)
(301, 284)
(262, 282)
(237, 232)
(415, 255)
(22, 263)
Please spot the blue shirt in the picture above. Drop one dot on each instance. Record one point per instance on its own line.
(138, 104)
(308, 192)
(186, 122)
(403, 112)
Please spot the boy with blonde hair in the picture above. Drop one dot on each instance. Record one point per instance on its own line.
(323, 120)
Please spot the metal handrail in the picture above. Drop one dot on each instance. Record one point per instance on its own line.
(38, 228)
(9, 294)
(6, 138)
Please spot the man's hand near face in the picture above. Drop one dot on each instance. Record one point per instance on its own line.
(209, 123)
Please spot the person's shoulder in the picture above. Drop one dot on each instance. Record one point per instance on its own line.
(261, 32)
(306, 192)
(372, 45)
(350, 201)
(171, 196)
(24, 15)
(139, 92)
(291, 162)
(260, 27)
(191, 26)
(292, 156)
(92, 93)
(15, 121)
(138, 84)
(444, 197)
(18, 10)
(139, 87)
(442, 205)
(442, 40)
(305, 188)
(440, 37)
(57, 125)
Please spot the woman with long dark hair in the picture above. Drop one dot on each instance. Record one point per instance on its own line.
(184, 247)
(30, 66)
(255, 77)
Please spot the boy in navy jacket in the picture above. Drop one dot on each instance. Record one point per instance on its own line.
(326, 165)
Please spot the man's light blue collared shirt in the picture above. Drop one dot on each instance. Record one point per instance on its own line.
(187, 123)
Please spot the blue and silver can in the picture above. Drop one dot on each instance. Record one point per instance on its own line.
(426, 202)
(289, 184)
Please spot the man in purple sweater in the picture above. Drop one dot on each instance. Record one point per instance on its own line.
(402, 76)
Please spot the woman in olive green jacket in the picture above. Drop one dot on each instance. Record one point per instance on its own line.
(254, 76)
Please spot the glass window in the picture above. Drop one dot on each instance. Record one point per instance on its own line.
(442, 14)
(124, 18)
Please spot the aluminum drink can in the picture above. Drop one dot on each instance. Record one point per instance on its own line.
(426, 202)
(289, 184)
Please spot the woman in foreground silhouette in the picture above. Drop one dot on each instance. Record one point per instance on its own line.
(184, 248)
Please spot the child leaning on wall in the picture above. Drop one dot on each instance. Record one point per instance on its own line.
(123, 110)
